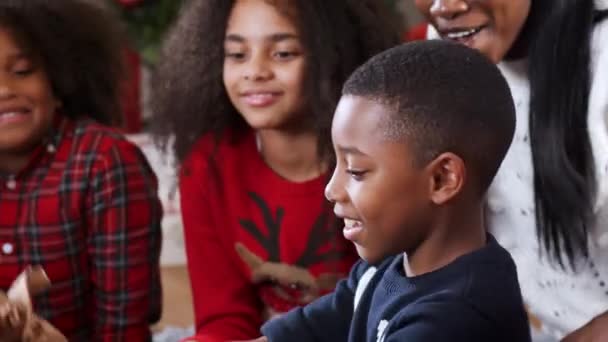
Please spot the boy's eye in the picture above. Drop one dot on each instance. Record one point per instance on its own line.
(356, 174)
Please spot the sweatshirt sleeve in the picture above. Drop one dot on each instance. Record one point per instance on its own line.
(325, 320)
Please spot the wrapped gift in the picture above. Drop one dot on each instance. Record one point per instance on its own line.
(17, 319)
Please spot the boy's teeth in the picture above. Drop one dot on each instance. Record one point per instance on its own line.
(351, 223)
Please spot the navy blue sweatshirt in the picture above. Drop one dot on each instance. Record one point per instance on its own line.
(474, 298)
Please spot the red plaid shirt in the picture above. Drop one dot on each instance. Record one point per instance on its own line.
(86, 209)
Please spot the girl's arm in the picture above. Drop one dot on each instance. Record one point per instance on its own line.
(226, 305)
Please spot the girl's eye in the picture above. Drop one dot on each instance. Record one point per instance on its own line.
(286, 55)
(23, 71)
(23, 68)
(235, 55)
(356, 174)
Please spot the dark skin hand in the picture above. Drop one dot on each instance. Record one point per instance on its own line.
(594, 331)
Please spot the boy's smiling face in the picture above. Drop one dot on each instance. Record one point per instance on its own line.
(378, 187)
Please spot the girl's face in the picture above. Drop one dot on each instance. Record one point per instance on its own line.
(264, 66)
(490, 26)
(27, 103)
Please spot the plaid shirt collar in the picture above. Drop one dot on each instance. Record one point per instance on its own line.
(41, 156)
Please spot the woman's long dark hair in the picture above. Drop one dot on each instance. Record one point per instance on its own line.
(564, 176)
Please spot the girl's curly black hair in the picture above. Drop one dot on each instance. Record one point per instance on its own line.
(189, 99)
(79, 44)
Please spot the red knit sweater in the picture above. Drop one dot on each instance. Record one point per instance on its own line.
(229, 196)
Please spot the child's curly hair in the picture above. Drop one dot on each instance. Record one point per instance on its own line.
(189, 98)
(79, 45)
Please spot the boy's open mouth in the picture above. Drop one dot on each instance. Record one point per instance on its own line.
(352, 228)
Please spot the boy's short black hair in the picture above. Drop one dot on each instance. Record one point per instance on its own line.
(79, 43)
(445, 98)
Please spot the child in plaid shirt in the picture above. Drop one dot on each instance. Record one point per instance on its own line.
(75, 197)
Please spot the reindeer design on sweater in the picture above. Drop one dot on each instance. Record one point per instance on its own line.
(292, 283)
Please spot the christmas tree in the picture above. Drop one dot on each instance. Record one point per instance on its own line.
(147, 21)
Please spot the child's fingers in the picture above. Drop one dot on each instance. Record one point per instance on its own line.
(283, 274)
(286, 275)
(253, 261)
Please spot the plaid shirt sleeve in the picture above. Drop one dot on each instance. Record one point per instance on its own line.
(124, 243)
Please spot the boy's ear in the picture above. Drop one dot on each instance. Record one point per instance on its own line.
(448, 174)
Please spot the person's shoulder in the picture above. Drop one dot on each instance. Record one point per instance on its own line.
(478, 300)
(493, 289)
(204, 146)
(446, 317)
(480, 286)
(489, 267)
(93, 137)
(212, 145)
(493, 261)
(99, 150)
(491, 271)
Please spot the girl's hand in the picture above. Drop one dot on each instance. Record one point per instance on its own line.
(594, 331)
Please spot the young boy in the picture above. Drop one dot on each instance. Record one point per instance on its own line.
(419, 134)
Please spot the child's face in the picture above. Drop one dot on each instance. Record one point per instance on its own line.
(27, 103)
(490, 26)
(377, 186)
(264, 65)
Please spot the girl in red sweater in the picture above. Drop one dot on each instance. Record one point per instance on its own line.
(245, 92)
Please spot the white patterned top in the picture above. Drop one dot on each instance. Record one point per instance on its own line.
(563, 301)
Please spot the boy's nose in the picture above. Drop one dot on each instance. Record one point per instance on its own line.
(333, 190)
(448, 9)
(329, 194)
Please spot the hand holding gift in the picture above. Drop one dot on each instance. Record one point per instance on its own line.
(17, 320)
